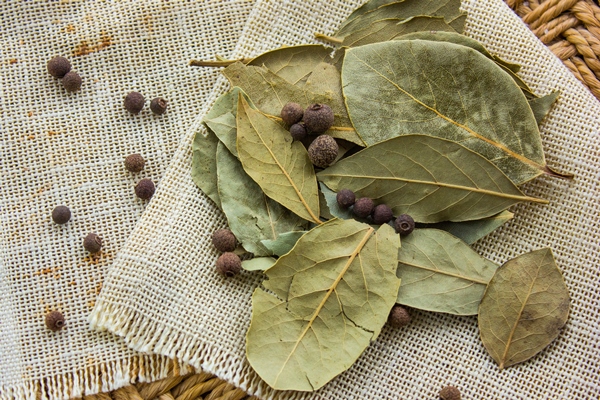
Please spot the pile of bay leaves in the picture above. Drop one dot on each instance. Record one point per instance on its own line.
(428, 122)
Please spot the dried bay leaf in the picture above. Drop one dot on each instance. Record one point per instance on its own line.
(258, 263)
(278, 165)
(329, 298)
(447, 90)
(284, 242)
(332, 204)
(441, 273)
(524, 307)
(429, 178)
(541, 106)
(204, 164)
(251, 215)
(472, 231)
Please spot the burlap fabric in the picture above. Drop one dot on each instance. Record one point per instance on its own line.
(58, 148)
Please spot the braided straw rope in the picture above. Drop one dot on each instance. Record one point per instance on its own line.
(571, 29)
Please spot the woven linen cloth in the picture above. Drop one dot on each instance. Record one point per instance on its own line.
(162, 294)
(60, 148)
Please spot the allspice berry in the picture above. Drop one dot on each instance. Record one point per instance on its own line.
(134, 102)
(158, 105)
(92, 243)
(404, 224)
(298, 132)
(323, 151)
(134, 162)
(55, 321)
(145, 189)
(58, 66)
(71, 81)
(224, 240)
(399, 316)
(61, 215)
(292, 113)
(363, 207)
(345, 198)
(450, 393)
(318, 118)
(229, 264)
(382, 214)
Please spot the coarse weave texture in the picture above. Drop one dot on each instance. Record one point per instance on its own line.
(60, 148)
(183, 309)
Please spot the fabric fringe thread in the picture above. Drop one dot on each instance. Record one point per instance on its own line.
(571, 29)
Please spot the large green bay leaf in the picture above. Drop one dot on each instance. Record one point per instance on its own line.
(472, 231)
(429, 178)
(278, 165)
(441, 273)
(324, 302)
(524, 308)
(445, 90)
(204, 164)
(270, 92)
(251, 215)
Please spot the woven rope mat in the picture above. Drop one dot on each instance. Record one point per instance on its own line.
(434, 350)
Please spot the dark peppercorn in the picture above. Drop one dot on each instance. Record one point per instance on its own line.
(145, 189)
(158, 105)
(58, 66)
(298, 131)
(318, 118)
(345, 198)
(292, 113)
(72, 81)
(450, 393)
(55, 321)
(382, 214)
(61, 215)
(134, 102)
(399, 316)
(134, 162)
(224, 240)
(323, 151)
(92, 243)
(404, 224)
(363, 207)
(229, 264)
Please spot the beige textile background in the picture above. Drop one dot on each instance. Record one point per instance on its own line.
(58, 148)
(182, 308)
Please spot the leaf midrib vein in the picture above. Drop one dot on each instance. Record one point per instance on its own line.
(444, 273)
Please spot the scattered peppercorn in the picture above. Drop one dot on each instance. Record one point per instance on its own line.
(61, 215)
(298, 131)
(58, 66)
(92, 243)
(134, 102)
(382, 214)
(134, 162)
(229, 264)
(404, 224)
(450, 393)
(292, 113)
(318, 118)
(399, 316)
(363, 207)
(72, 81)
(224, 240)
(145, 189)
(55, 321)
(323, 151)
(158, 105)
(345, 198)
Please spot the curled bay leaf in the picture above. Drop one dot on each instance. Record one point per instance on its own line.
(441, 273)
(204, 164)
(332, 204)
(327, 300)
(429, 178)
(251, 215)
(278, 165)
(284, 242)
(258, 263)
(541, 106)
(472, 231)
(524, 308)
(445, 90)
